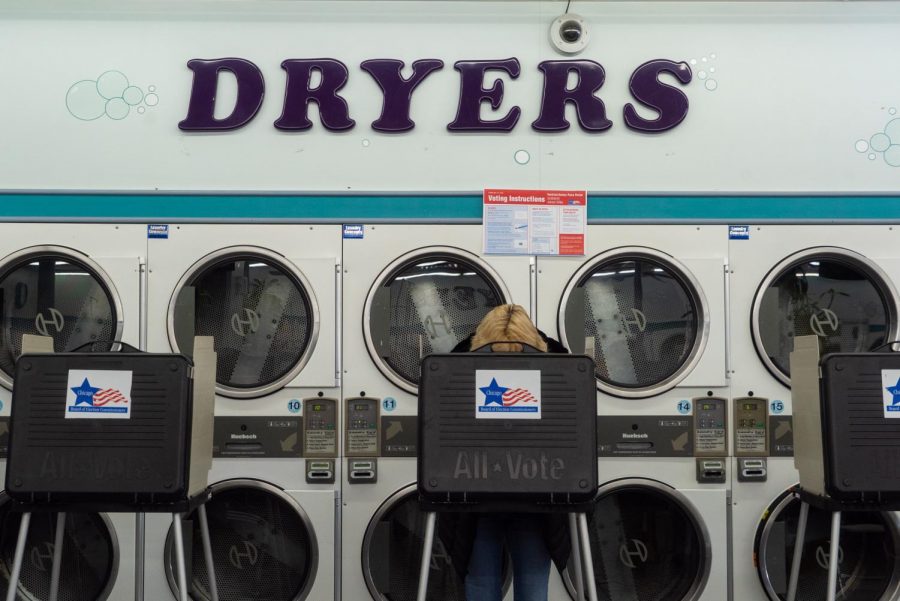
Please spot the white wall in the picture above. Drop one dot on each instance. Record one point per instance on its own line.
(798, 85)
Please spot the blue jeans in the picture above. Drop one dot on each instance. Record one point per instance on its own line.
(526, 546)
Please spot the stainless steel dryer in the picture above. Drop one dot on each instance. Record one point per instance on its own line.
(837, 282)
(78, 284)
(648, 304)
(408, 291)
(268, 294)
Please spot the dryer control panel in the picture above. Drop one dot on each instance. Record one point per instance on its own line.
(710, 438)
(319, 427)
(362, 435)
(750, 432)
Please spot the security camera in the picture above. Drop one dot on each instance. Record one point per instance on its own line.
(570, 31)
(569, 34)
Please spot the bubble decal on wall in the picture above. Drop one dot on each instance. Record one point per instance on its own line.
(110, 95)
(705, 74)
(885, 142)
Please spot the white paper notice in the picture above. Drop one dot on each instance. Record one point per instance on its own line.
(534, 222)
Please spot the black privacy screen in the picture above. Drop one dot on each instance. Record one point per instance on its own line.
(645, 546)
(259, 314)
(53, 295)
(838, 299)
(867, 561)
(642, 317)
(427, 305)
(263, 549)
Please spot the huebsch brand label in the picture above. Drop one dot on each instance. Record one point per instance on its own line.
(890, 392)
(98, 394)
(507, 394)
(645, 436)
(257, 437)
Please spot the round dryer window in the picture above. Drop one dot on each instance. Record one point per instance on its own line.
(641, 315)
(647, 544)
(261, 312)
(263, 546)
(90, 557)
(392, 551)
(836, 294)
(426, 302)
(868, 561)
(57, 292)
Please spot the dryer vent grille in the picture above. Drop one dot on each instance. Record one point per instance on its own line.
(263, 549)
(88, 559)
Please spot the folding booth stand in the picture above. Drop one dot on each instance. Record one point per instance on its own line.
(113, 431)
(509, 432)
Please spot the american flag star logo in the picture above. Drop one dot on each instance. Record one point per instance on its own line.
(108, 395)
(513, 396)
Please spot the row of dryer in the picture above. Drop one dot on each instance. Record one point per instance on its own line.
(319, 339)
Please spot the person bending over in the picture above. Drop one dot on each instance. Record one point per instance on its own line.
(532, 539)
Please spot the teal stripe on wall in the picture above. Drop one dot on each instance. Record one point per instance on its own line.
(139, 207)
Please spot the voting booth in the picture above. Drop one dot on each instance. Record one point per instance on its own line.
(509, 432)
(117, 431)
(846, 438)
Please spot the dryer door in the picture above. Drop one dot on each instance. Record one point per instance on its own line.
(426, 302)
(834, 293)
(868, 560)
(648, 544)
(57, 292)
(259, 308)
(641, 315)
(392, 552)
(263, 545)
(90, 556)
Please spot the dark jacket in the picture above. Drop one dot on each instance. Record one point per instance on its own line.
(457, 530)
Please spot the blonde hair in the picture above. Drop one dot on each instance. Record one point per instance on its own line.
(506, 325)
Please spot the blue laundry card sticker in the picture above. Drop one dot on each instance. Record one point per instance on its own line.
(353, 231)
(738, 232)
(157, 231)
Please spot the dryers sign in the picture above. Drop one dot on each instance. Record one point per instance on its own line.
(507, 394)
(98, 394)
(890, 392)
(319, 81)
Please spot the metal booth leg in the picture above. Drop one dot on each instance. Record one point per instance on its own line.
(587, 558)
(140, 527)
(835, 552)
(798, 551)
(17, 558)
(427, 546)
(180, 568)
(575, 537)
(207, 553)
(57, 555)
